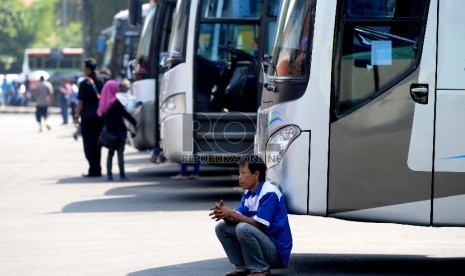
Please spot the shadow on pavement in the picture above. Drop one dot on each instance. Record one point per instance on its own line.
(165, 196)
(81, 180)
(363, 264)
(150, 177)
(213, 267)
(329, 264)
(151, 173)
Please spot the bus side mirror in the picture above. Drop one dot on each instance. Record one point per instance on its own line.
(135, 12)
(162, 64)
(130, 68)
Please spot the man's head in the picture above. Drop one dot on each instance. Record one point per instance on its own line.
(90, 65)
(252, 171)
(41, 79)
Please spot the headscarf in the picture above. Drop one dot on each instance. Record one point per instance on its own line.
(108, 97)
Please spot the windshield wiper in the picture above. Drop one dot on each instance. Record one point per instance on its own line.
(383, 35)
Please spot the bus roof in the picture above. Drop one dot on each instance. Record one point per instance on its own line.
(48, 51)
(39, 51)
(124, 14)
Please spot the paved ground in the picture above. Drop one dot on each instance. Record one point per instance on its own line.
(54, 222)
(24, 109)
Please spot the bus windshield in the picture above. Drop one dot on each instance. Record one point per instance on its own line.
(110, 44)
(177, 47)
(217, 40)
(219, 36)
(292, 45)
(146, 34)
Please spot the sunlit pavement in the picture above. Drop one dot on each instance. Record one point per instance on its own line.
(25, 109)
(54, 222)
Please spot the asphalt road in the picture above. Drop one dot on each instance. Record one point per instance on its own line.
(54, 222)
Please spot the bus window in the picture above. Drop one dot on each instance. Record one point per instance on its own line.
(370, 8)
(146, 35)
(177, 47)
(376, 53)
(274, 8)
(383, 8)
(273, 12)
(232, 9)
(66, 63)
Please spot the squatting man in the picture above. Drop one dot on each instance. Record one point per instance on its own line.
(256, 236)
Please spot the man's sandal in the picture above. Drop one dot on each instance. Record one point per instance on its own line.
(261, 273)
(239, 272)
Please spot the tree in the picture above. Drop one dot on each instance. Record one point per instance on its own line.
(40, 24)
(47, 16)
(15, 33)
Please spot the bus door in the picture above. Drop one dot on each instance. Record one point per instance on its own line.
(384, 64)
(226, 84)
(449, 167)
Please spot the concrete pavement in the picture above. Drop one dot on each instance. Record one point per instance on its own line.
(54, 222)
(25, 109)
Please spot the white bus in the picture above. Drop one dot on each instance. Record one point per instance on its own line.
(361, 118)
(209, 93)
(153, 46)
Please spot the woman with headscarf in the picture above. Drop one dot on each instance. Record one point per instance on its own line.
(113, 113)
(90, 124)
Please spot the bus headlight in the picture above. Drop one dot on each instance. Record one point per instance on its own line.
(175, 104)
(279, 142)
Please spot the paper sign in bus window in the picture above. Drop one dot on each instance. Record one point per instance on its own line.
(381, 52)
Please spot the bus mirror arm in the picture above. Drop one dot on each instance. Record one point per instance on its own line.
(266, 80)
(130, 68)
(269, 87)
(163, 56)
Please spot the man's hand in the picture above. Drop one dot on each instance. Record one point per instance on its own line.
(231, 217)
(76, 122)
(220, 211)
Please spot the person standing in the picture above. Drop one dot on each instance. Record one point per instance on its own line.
(183, 170)
(256, 236)
(43, 94)
(73, 100)
(90, 123)
(65, 94)
(113, 114)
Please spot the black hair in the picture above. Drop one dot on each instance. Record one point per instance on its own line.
(255, 163)
(91, 64)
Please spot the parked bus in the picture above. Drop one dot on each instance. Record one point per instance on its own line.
(121, 44)
(208, 95)
(358, 118)
(153, 46)
(53, 61)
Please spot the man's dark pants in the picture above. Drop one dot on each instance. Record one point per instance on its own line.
(90, 130)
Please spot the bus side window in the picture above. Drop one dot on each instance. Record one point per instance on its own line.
(376, 54)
